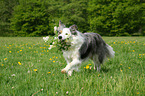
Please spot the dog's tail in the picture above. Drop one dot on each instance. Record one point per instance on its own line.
(110, 52)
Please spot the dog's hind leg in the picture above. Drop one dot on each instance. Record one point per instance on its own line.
(97, 64)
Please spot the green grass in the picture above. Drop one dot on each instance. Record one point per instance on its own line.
(27, 66)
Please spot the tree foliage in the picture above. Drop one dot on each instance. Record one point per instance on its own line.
(30, 18)
(115, 17)
(106, 17)
(6, 9)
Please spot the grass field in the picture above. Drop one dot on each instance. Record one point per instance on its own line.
(28, 68)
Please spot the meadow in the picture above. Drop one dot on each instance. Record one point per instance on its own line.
(29, 68)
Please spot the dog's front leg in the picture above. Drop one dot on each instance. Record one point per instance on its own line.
(76, 68)
(75, 62)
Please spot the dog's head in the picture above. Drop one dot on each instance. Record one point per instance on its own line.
(68, 33)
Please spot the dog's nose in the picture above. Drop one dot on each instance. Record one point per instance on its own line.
(59, 37)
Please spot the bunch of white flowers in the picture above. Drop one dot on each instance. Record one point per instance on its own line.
(61, 45)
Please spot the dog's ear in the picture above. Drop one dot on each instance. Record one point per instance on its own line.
(61, 26)
(73, 29)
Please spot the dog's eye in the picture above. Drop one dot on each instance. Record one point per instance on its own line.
(66, 33)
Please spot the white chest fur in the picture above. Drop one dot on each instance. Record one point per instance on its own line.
(73, 51)
(71, 54)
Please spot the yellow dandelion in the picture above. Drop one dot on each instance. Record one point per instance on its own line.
(7, 47)
(17, 51)
(139, 57)
(87, 67)
(19, 63)
(56, 57)
(29, 47)
(10, 51)
(129, 67)
(137, 93)
(47, 50)
(133, 50)
(89, 64)
(10, 45)
(114, 42)
(98, 75)
(50, 59)
(48, 72)
(53, 57)
(121, 64)
(122, 42)
(121, 70)
(53, 61)
(5, 58)
(20, 50)
(35, 70)
(2, 64)
(84, 67)
(44, 47)
(98, 93)
(42, 50)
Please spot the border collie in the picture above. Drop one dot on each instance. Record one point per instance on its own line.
(84, 46)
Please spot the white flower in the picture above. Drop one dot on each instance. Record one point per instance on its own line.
(28, 71)
(67, 92)
(13, 75)
(55, 30)
(55, 38)
(51, 46)
(46, 38)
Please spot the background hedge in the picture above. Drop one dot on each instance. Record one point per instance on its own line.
(38, 17)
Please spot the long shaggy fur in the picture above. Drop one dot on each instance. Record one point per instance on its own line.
(83, 47)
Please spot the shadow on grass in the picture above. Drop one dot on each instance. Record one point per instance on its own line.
(104, 70)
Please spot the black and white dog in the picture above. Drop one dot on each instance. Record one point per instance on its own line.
(83, 46)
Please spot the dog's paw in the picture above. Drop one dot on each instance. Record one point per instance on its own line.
(63, 71)
(69, 73)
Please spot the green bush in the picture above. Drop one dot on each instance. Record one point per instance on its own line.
(30, 18)
(115, 18)
(106, 17)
